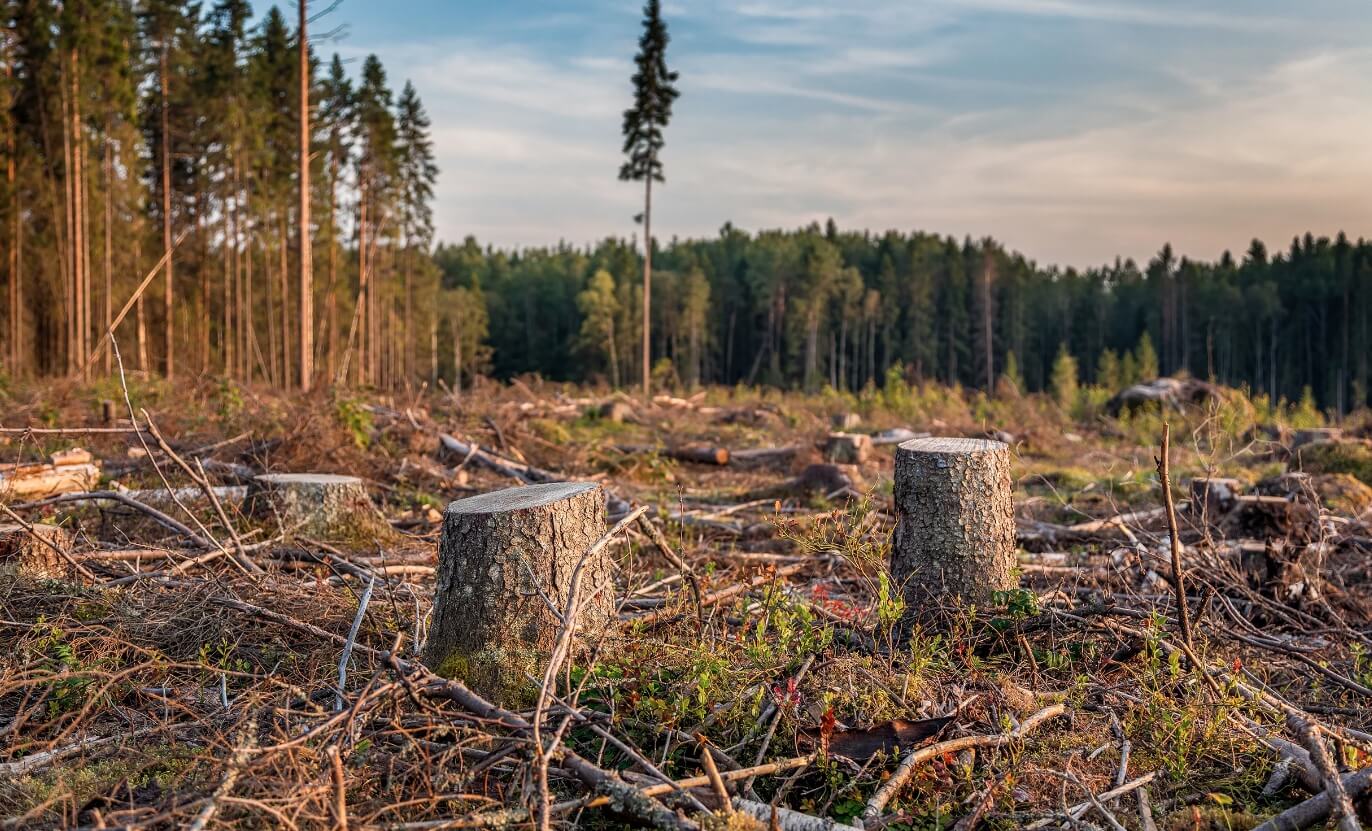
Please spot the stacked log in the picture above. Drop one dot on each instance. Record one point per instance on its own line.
(68, 471)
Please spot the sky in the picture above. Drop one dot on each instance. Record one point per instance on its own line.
(1071, 130)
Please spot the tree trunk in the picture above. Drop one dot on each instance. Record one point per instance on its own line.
(501, 555)
(284, 280)
(109, 246)
(647, 281)
(955, 527)
(306, 253)
(168, 306)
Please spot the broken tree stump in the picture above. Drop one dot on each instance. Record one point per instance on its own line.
(848, 448)
(1213, 497)
(504, 557)
(24, 554)
(324, 506)
(955, 525)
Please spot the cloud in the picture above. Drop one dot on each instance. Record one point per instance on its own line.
(1071, 143)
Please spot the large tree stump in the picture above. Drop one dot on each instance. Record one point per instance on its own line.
(23, 553)
(955, 526)
(501, 555)
(324, 506)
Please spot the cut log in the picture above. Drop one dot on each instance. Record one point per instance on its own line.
(764, 455)
(22, 553)
(1167, 392)
(955, 527)
(323, 506)
(618, 412)
(701, 454)
(848, 448)
(504, 557)
(69, 471)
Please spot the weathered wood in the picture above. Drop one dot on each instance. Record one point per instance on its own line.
(506, 558)
(848, 448)
(701, 454)
(955, 527)
(324, 506)
(1213, 497)
(1167, 392)
(66, 471)
(22, 553)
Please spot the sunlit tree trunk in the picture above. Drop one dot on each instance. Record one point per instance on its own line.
(306, 254)
(168, 302)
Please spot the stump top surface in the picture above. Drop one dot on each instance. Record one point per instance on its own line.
(516, 499)
(308, 479)
(952, 446)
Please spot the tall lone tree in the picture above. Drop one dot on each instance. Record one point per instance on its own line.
(643, 125)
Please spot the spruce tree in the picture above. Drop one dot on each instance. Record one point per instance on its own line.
(643, 125)
(416, 174)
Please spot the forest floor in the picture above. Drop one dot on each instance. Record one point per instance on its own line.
(156, 678)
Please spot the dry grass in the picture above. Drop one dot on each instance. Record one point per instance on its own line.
(208, 696)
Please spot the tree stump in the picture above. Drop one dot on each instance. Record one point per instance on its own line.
(1213, 497)
(324, 506)
(848, 448)
(30, 557)
(501, 554)
(955, 526)
(845, 421)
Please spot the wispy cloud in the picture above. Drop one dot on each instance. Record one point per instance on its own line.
(1073, 129)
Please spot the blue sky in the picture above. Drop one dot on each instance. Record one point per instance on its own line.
(1073, 130)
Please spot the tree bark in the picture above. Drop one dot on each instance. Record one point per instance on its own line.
(501, 555)
(955, 526)
(319, 505)
(647, 281)
(168, 306)
(306, 252)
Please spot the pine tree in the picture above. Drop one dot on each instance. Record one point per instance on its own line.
(643, 141)
(1064, 379)
(375, 181)
(1145, 358)
(1108, 371)
(416, 174)
(306, 322)
(599, 307)
(169, 32)
(336, 113)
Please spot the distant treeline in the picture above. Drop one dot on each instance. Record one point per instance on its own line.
(819, 306)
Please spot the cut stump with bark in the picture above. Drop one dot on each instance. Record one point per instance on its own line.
(954, 540)
(324, 506)
(21, 551)
(848, 448)
(505, 560)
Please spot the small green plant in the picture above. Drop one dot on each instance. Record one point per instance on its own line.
(356, 419)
